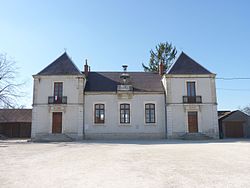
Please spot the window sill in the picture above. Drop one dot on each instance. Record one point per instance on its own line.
(125, 125)
(150, 124)
(99, 124)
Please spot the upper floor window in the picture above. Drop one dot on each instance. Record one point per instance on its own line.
(125, 113)
(150, 113)
(99, 113)
(191, 89)
(58, 91)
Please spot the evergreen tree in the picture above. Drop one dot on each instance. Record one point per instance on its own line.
(165, 53)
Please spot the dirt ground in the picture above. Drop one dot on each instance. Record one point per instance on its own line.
(125, 164)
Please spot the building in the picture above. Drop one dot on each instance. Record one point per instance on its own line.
(15, 123)
(190, 99)
(235, 124)
(124, 105)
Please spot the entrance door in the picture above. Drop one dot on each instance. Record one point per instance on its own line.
(57, 122)
(192, 122)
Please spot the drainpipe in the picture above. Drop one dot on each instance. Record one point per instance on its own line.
(83, 111)
(165, 108)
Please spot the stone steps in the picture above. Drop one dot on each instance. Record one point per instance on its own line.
(53, 138)
(3, 137)
(195, 136)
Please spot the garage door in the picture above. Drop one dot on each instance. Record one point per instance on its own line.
(16, 130)
(234, 130)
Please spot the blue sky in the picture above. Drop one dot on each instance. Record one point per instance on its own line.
(110, 33)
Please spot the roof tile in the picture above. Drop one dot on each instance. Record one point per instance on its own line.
(186, 65)
(108, 81)
(63, 65)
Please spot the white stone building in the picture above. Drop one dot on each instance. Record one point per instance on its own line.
(68, 103)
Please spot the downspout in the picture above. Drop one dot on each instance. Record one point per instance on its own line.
(83, 117)
(165, 108)
(83, 111)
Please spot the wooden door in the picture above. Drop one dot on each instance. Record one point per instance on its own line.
(192, 122)
(57, 122)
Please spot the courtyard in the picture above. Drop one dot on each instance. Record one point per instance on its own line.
(125, 164)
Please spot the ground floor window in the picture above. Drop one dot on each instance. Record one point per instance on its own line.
(99, 113)
(125, 113)
(150, 113)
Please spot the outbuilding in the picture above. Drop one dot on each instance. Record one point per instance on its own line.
(235, 124)
(15, 123)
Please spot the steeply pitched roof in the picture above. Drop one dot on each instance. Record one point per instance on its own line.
(186, 65)
(63, 65)
(108, 81)
(15, 115)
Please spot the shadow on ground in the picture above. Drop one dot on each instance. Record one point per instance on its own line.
(132, 142)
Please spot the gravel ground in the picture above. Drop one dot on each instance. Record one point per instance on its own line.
(125, 164)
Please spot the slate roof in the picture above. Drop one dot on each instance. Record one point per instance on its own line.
(231, 113)
(186, 65)
(15, 115)
(108, 81)
(63, 65)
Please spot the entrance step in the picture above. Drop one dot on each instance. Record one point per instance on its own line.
(195, 136)
(53, 138)
(3, 137)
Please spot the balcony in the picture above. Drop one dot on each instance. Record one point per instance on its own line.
(57, 100)
(192, 99)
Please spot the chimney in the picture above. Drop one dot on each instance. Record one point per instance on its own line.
(161, 69)
(86, 68)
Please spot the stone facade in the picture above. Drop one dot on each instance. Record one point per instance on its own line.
(82, 91)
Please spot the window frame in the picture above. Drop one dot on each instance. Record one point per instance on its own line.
(99, 113)
(124, 122)
(150, 113)
(58, 90)
(191, 91)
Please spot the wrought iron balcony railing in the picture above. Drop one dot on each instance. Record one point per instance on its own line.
(57, 100)
(192, 99)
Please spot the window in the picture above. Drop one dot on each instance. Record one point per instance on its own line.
(150, 113)
(99, 113)
(191, 89)
(58, 92)
(125, 113)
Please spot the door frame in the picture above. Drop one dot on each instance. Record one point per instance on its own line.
(187, 121)
(61, 122)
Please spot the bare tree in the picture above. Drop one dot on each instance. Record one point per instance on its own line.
(246, 109)
(9, 86)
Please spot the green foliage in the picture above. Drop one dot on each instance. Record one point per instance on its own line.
(165, 53)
